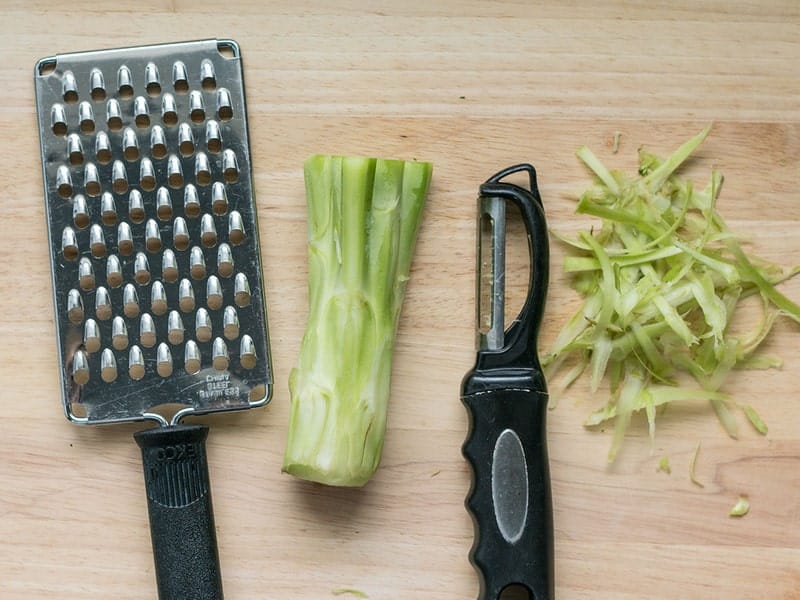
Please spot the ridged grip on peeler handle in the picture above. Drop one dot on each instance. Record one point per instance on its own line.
(181, 516)
(510, 499)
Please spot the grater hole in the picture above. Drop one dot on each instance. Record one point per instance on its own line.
(158, 298)
(125, 82)
(80, 215)
(186, 147)
(208, 78)
(65, 190)
(80, 375)
(214, 145)
(208, 231)
(153, 88)
(93, 188)
(213, 293)
(224, 105)
(131, 153)
(163, 360)
(169, 114)
(102, 304)
(119, 334)
(197, 264)
(203, 177)
(70, 96)
(126, 92)
(191, 203)
(241, 293)
(175, 180)
(60, 128)
(69, 244)
(115, 123)
(202, 325)
(113, 272)
(197, 115)
(230, 323)
(97, 241)
(108, 210)
(169, 266)
(74, 150)
(86, 279)
(247, 352)
(74, 306)
(219, 355)
(102, 148)
(175, 332)
(108, 366)
(142, 120)
(191, 360)
(98, 94)
(136, 368)
(235, 228)
(147, 331)
(213, 137)
(91, 336)
(153, 245)
(180, 234)
(141, 269)
(181, 86)
(159, 150)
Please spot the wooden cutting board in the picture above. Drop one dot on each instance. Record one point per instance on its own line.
(473, 87)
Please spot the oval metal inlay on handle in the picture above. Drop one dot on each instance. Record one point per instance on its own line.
(509, 485)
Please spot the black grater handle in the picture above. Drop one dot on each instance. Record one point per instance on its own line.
(181, 516)
(510, 500)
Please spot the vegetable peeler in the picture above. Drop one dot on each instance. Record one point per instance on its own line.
(506, 397)
(156, 269)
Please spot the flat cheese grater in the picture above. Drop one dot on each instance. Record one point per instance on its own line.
(159, 303)
(506, 397)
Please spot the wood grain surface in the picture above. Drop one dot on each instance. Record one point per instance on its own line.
(472, 86)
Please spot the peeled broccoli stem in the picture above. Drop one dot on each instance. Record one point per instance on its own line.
(363, 218)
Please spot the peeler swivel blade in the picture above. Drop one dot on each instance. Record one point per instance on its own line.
(506, 397)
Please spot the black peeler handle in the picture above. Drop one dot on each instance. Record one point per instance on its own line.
(181, 516)
(506, 398)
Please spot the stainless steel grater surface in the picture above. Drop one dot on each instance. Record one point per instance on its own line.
(153, 233)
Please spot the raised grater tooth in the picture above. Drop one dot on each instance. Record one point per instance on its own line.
(230, 166)
(213, 137)
(158, 298)
(163, 204)
(152, 80)
(230, 323)
(225, 260)
(69, 88)
(102, 148)
(74, 149)
(130, 144)
(152, 236)
(69, 244)
(119, 177)
(186, 300)
(203, 328)
(180, 78)
(213, 293)
(119, 333)
(113, 115)
(175, 328)
(86, 117)
(219, 355)
(97, 85)
(91, 336)
(163, 360)
(141, 112)
(197, 107)
(102, 304)
(86, 279)
(185, 139)
(169, 266)
(136, 367)
(202, 170)
(158, 143)
(147, 175)
(191, 202)
(174, 171)
(80, 212)
(192, 358)
(97, 241)
(124, 82)
(141, 269)
(108, 209)
(58, 120)
(169, 110)
(208, 231)
(125, 239)
(136, 211)
(130, 301)
(208, 78)
(224, 105)
(197, 263)
(149, 199)
(147, 331)
(91, 180)
(219, 198)
(113, 271)
(108, 366)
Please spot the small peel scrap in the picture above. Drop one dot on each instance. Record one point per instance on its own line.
(741, 508)
(661, 278)
(350, 592)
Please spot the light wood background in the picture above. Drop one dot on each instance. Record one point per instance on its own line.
(471, 86)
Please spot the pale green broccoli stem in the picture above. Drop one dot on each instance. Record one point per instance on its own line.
(364, 215)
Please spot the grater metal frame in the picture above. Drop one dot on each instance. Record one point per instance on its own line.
(68, 80)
